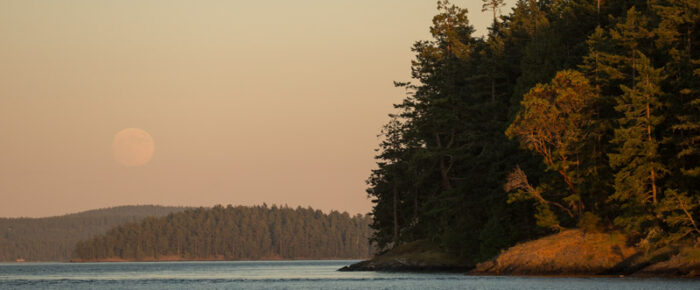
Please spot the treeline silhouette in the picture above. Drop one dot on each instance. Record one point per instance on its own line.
(234, 233)
(54, 238)
(580, 113)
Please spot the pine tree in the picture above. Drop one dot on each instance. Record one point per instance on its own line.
(679, 211)
(637, 157)
(677, 40)
(678, 35)
(494, 6)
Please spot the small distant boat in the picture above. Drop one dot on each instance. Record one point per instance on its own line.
(20, 260)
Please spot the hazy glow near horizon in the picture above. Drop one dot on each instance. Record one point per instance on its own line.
(249, 101)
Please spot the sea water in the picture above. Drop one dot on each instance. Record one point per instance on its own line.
(284, 275)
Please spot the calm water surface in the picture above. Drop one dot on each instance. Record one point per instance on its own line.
(283, 275)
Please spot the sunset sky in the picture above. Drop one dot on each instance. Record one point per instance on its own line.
(246, 101)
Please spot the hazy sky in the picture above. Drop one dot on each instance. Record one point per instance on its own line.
(247, 101)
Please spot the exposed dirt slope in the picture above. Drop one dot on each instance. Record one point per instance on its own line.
(570, 252)
(574, 252)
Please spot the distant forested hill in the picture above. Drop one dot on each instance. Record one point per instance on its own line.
(54, 238)
(234, 233)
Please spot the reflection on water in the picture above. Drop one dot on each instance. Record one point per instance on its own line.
(284, 275)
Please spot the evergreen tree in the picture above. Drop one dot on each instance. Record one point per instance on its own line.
(677, 39)
(637, 156)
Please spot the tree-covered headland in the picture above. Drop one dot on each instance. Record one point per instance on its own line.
(568, 114)
(234, 233)
(54, 238)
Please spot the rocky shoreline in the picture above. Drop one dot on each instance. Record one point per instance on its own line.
(569, 253)
(402, 265)
(419, 256)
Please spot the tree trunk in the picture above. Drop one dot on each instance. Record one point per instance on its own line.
(493, 89)
(649, 138)
(415, 207)
(494, 15)
(444, 174)
(445, 168)
(396, 216)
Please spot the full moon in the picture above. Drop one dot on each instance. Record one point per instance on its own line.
(132, 147)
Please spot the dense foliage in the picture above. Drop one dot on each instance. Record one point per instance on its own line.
(569, 113)
(235, 233)
(54, 238)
